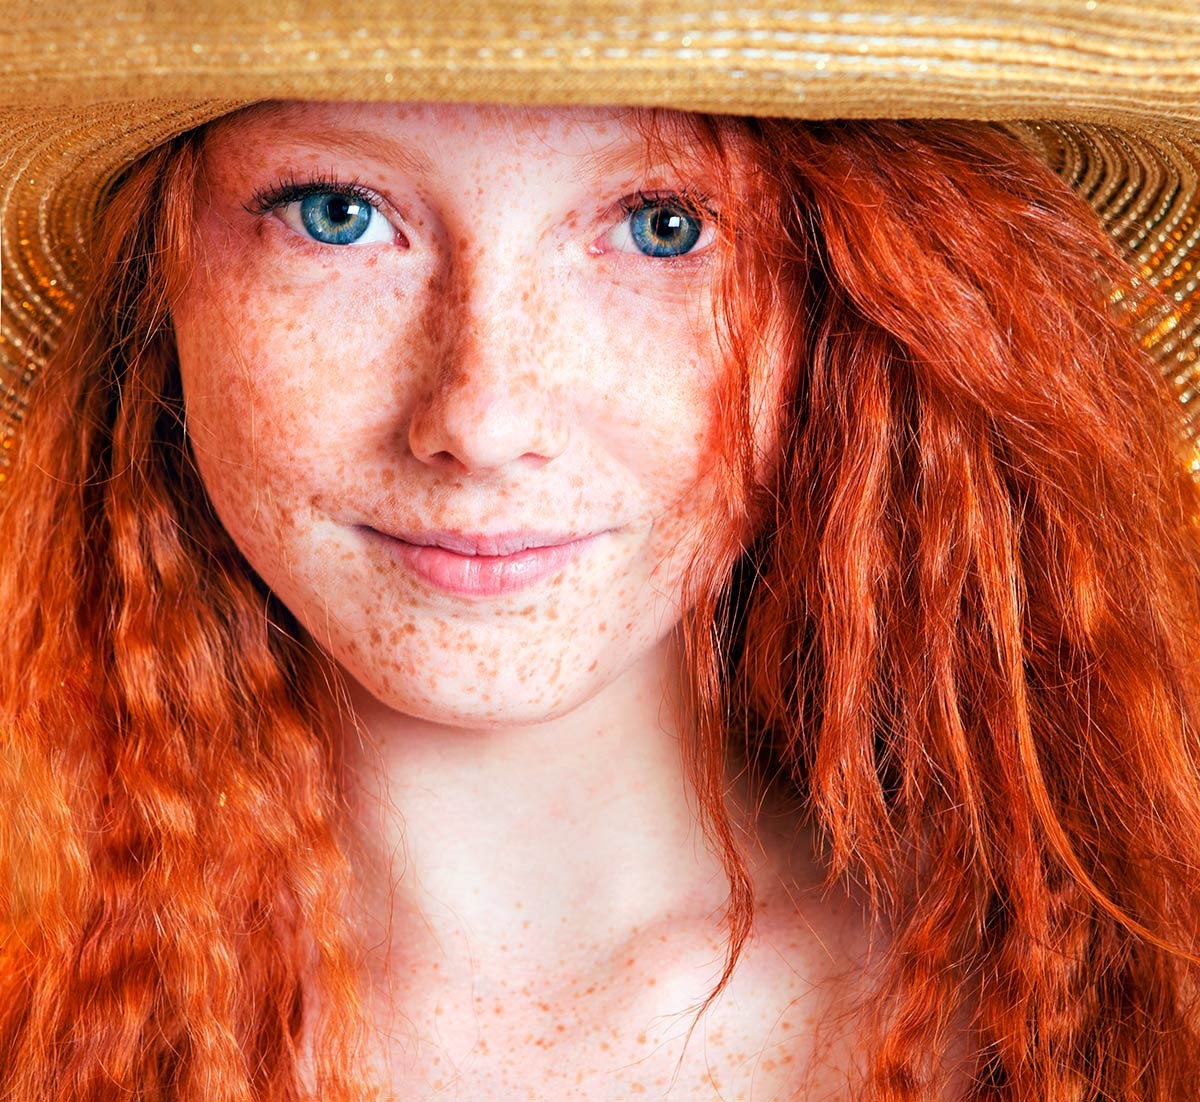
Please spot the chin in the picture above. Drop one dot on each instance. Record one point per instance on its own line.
(499, 672)
(492, 703)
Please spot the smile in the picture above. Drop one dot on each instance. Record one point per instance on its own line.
(484, 565)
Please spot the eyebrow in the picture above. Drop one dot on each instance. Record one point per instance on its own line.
(366, 144)
(628, 157)
(635, 159)
(351, 141)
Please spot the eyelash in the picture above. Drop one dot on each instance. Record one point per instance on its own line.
(289, 189)
(690, 202)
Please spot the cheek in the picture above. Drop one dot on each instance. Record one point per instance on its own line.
(241, 429)
(658, 384)
(281, 383)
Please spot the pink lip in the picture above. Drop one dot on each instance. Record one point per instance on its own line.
(484, 565)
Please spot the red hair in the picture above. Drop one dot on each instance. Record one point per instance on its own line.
(963, 634)
(968, 634)
(176, 866)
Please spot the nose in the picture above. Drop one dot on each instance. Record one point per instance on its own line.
(492, 394)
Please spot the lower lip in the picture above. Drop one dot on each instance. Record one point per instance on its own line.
(484, 575)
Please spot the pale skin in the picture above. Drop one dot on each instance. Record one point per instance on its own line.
(496, 354)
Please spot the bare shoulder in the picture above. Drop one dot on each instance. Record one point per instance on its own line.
(789, 1024)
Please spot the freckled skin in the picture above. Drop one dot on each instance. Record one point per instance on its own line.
(544, 915)
(491, 375)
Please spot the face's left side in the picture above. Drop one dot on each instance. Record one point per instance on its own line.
(451, 381)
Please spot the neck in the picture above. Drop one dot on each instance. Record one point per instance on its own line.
(533, 842)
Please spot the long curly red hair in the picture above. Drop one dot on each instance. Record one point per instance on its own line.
(963, 636)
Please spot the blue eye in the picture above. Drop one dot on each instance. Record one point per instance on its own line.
(335, 219)
(664, 231)
(327, 212)
(661, 228)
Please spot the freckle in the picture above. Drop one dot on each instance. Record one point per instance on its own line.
(603, 627)
(641, 1038)
(651, 982)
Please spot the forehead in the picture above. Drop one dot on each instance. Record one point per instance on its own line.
(584, 142)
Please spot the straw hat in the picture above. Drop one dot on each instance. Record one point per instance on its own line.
(1108, 91)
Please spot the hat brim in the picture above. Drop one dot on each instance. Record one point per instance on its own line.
(1114, 94)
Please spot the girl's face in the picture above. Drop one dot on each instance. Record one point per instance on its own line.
(452, 380)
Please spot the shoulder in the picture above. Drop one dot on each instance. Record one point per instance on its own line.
(793, 1013)
(788, 1024)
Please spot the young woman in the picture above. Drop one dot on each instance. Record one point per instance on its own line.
(589, 602)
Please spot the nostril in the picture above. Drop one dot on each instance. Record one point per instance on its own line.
(441, 459)
(460, 428)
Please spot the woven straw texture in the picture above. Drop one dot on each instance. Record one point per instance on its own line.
(1107, 92)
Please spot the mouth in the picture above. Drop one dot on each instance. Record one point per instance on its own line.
(483, 565)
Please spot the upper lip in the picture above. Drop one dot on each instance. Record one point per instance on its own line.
(493, 545)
